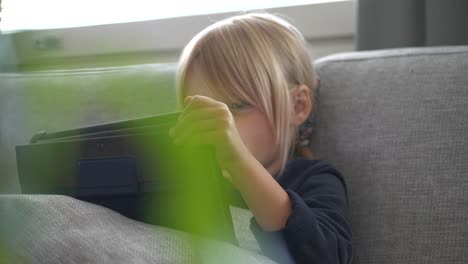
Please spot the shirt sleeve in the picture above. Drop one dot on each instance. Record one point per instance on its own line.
(317, 230)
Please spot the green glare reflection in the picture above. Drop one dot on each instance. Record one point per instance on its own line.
(185, 192)
(184, 177)
(189, 194)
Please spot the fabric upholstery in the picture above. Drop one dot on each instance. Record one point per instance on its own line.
(60, 229)
(395, 124)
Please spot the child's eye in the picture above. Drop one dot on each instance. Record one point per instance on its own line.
(237, 106)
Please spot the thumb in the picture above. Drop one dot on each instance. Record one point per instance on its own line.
(187, 100)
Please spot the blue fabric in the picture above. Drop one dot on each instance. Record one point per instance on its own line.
(318, 229)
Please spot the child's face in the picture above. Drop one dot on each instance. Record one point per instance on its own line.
(252, 125)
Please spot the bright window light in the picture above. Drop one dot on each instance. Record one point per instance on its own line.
(45, 14)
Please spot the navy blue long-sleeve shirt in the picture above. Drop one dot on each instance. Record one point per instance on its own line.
(318, 229)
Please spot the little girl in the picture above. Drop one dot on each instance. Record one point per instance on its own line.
(246, 84)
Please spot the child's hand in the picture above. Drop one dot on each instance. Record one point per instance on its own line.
(207, 121)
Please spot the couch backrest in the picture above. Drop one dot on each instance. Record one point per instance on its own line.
(395, 122)
(57, 100)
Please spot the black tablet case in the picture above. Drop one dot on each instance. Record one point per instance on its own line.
(132, 167)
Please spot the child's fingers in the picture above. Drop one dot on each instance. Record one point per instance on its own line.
(202, 127)
(226, 175)
(198, 114)
(187, 100)
(201, 116)
(199, 101)
(205, 138)
(196, 99)
(191, 118)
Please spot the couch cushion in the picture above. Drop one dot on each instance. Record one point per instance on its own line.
(57, 100)
(395, 123)
(61, 229)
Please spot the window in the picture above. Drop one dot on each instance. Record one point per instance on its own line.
(48, 14)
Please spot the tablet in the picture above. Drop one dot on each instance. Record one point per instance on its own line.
(132, 167)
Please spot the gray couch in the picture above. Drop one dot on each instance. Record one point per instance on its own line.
(393, 121)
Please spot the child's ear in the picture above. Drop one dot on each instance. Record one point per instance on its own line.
(302, 104)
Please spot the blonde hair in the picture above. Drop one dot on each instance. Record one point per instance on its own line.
(257, 58)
